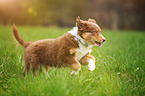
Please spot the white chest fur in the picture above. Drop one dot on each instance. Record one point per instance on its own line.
(82, 51)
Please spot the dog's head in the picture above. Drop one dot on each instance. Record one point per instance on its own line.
(90, 31)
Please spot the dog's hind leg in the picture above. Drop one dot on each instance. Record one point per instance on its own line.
(26, 68)
(47, 68)
(41, 68)
(35, 68)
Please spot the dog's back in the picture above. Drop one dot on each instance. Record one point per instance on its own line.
(51, 52)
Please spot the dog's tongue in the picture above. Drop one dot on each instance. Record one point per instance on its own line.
(98, 44)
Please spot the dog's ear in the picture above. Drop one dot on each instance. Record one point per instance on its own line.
(78, 19)
(91, 20)
(80, 23)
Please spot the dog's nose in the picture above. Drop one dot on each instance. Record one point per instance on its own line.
(104, 40)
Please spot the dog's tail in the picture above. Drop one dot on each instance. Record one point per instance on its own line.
(18, 37)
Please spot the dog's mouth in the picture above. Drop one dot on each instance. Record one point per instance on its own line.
(98, 43)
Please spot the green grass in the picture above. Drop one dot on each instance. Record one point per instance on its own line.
(120, 67)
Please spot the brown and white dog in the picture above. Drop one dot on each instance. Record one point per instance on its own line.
(72, 49)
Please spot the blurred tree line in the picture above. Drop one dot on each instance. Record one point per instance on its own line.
(112, 14)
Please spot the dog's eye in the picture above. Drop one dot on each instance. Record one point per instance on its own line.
(95, 31)
(88, 31)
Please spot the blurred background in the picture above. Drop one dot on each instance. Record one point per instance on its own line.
(109, 14)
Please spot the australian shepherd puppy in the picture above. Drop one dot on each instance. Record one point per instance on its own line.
(72, 49)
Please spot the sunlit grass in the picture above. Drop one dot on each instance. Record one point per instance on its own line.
(120, 67)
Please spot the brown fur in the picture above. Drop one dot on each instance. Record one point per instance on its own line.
(84, 60)
(58, 52)
(48, 52)
(88, 31)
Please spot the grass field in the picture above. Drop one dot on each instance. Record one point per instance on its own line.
(120, 67)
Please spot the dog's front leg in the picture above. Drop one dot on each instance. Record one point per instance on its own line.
(88, 60)
(73, 64)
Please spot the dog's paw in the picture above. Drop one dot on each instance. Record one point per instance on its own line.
(91, 65)
(75, 72)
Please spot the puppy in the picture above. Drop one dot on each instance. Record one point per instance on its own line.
(72, 49)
